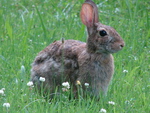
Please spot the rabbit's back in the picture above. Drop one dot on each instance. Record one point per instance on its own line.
(57, 63)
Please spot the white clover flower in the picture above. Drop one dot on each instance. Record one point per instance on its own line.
(66, 85)
(30, 83)
(64, 89)
(42, 79)
(117, 10)
(7, 105)
(86, 84)
(111, 102)
(125, 71)
(33, 5)
(103, 110)
(2, 92)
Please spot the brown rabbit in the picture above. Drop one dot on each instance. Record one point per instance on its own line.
(72, 60)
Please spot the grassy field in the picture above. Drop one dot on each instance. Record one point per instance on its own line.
(28, 26)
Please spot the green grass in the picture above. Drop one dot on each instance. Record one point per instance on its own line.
(28, 26)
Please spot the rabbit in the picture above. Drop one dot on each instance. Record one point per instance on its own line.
(75, 61)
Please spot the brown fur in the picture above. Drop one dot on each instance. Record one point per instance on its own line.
(72, 60)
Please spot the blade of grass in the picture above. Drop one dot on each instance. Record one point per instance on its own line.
(42, 23)
(9, 29)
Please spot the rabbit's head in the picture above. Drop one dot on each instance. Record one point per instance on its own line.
(102, 38)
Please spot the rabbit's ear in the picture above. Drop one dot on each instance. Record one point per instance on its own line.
(89, 13)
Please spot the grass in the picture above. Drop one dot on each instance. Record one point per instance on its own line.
(28, 26)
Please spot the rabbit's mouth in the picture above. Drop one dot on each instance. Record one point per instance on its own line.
(109, 48)
(113, 48)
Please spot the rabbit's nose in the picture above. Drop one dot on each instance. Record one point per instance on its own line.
(122, 45)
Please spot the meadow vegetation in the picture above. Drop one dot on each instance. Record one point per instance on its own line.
(28, 26)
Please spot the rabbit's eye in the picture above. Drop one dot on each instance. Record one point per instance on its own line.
(102, 33)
